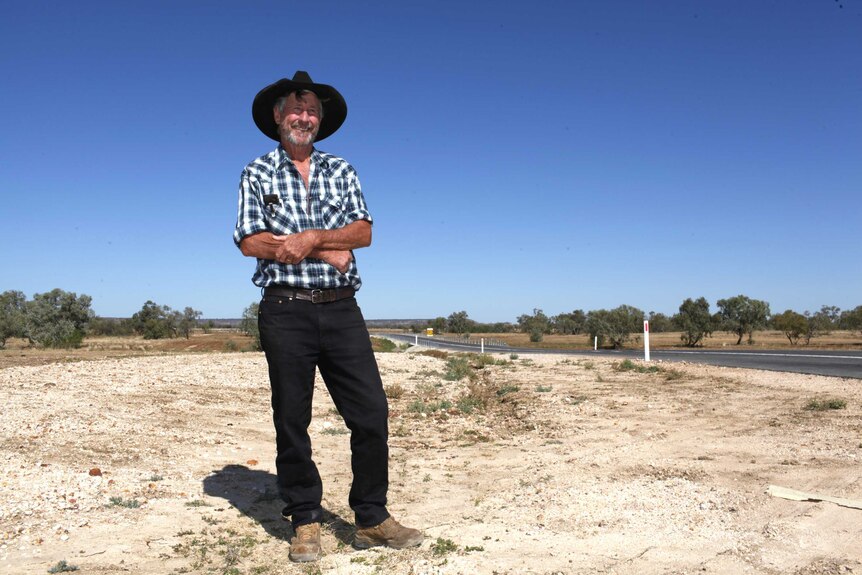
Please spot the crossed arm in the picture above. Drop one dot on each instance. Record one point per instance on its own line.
(331, 246)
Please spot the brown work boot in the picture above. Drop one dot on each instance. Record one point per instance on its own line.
(305, 545)
(389, 533)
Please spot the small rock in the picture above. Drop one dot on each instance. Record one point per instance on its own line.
(95, 472)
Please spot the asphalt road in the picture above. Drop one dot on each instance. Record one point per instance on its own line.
(833, 363)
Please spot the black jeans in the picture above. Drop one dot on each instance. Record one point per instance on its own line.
(298, 336)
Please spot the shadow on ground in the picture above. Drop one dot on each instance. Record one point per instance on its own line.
(255, 494)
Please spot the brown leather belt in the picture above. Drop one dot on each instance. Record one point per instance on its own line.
(312, 295)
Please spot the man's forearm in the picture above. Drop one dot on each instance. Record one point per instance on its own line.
(262, 245)
(312, 243)
(352, 236)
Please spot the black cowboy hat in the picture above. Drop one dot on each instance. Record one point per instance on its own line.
(334, 106)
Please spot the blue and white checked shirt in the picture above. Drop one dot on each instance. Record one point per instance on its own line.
(273, 198)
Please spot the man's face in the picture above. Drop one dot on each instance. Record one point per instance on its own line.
(299, 120)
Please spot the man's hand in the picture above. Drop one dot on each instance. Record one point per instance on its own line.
(295, 247)
(339, 259)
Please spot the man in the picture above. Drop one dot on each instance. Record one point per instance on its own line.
(301, 213)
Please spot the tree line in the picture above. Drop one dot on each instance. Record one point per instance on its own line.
(740, 315)
(61, 319)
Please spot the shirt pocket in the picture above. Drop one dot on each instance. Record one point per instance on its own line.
(332, 209)
(279, 212)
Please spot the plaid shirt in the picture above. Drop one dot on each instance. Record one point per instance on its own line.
(273, 198)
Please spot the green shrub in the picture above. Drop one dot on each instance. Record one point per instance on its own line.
(394, 390)
(507, 389)
(443, 546)
(469, 403)
(127, 503)
(383, 345)
(483, 360)
(458, 367)
(438, 353)
(62, 567)
(824, 404)
(629, 365)
(419, 406)
(58, 318)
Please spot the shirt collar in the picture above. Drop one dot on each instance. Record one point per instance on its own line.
(317, 158)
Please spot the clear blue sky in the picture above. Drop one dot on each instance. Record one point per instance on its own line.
(549, 154)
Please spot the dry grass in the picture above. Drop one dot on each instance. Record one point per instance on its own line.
(18, 352)
(622, 470)
(762, 340)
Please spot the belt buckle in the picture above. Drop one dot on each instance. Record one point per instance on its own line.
(316, 296)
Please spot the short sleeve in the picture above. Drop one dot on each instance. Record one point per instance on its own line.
(250, 218)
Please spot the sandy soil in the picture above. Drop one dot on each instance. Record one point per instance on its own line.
(539, 465)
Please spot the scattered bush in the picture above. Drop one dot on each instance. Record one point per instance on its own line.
(443, 546)
(458, 367)
(825, 404)
(58, 318)
(481, 361)
(127, 503)
(438, 353)
(507, 389)
(695, 321)
(62, 567)
(479, 395)
(383, 345)
(155, 321)
(616, 325)
(394, 390)
(468, 403)
(629, 365)
(420, 406)
(793, 325)
(13, 318)
(110, 327)
(743, 315)
(249, 326)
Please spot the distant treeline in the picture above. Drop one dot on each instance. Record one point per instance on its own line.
(62, 319)
(740, 315)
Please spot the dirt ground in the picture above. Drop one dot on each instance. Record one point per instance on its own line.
(545, 464)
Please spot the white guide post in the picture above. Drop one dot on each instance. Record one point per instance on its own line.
(646, 340)
(417, 339)
(483, 344)
(595, 343)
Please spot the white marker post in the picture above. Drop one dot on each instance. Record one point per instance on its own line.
(646, 340)
(595, 343)
(483, 345)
